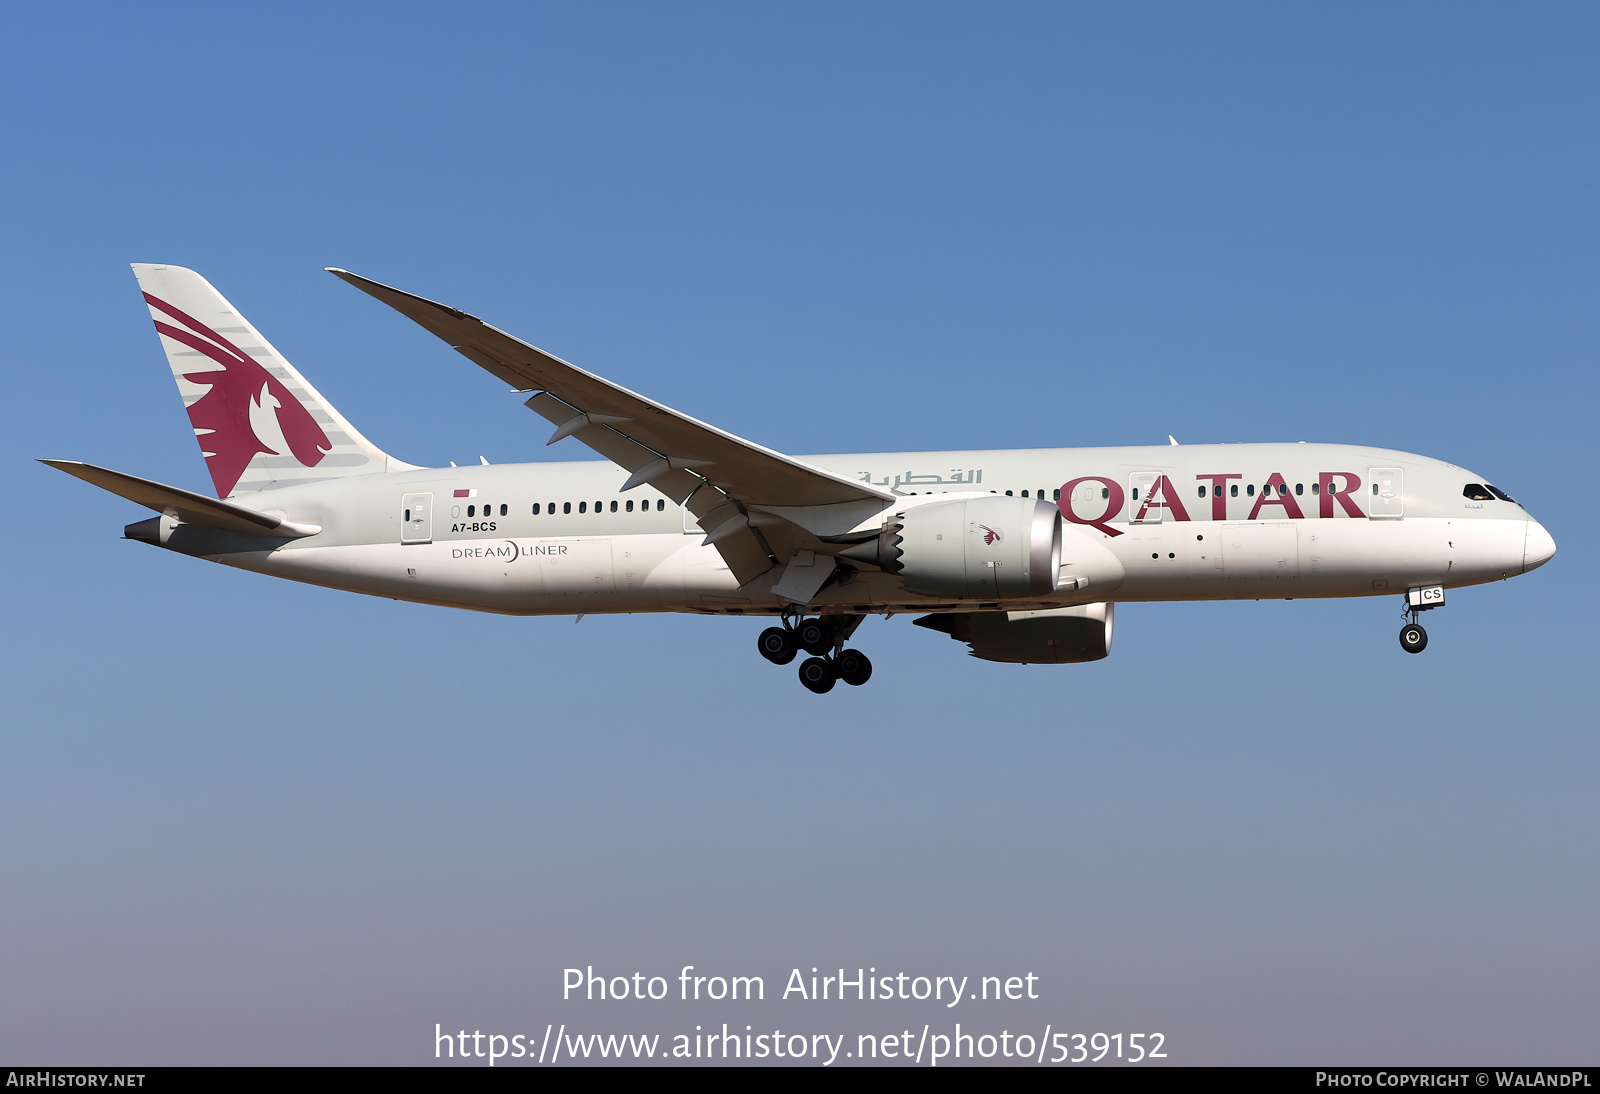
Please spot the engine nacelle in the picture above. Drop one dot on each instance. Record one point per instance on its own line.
(1056, 637)
(987, 548)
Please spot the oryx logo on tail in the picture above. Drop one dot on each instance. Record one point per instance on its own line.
(246, 411)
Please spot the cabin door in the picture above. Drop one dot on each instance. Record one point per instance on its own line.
(1386, 499)
(1142, 508)
(416, 518)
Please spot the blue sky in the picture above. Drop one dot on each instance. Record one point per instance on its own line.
(252, 822)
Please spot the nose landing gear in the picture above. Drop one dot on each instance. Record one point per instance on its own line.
(823, 638)
(1413, 639)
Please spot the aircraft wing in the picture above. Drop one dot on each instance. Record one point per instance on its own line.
(715, 474)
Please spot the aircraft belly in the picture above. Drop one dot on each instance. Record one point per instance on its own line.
(1213, 560)
(695, 578)
(1264, 555)
(1374, 558)
(515, 576)
(1180, 560)
(1482, 550)
(1162, 561)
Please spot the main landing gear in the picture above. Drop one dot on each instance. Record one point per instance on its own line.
(823, 639)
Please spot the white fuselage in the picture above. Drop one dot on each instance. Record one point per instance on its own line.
(1192, 522)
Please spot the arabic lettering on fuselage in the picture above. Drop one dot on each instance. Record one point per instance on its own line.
(957, 478)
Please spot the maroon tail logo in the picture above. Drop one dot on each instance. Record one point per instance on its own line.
(241, 395)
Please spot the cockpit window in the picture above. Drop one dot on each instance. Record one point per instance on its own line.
(1501, 494)
(1474, 492)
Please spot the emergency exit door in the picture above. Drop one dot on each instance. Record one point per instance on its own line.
(416, 518)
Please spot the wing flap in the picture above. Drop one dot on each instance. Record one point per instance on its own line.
(615, 446)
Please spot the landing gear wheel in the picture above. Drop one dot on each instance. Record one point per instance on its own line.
(818, 674)
(1413, 639)
(776, 645)
(814, 636)
(853, 667)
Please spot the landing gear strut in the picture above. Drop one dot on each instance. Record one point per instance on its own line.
(824, 639)
(1413, 639)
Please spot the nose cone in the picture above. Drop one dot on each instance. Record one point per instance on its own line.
(1537, 547)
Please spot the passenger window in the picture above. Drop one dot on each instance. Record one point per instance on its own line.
(1202, 491)
(566, 507)
(1299, 488)
(1251, 490)
(535, 508)
(1135, 493)
(1008, 493)
(502, 510)
(598, 506)
(1057, 495)
(1233, 491)
(583, 507)
(408, 514)
(1316, 488)
(661, 503)
(1105, 493)
(1024, 493)
(1473, 492)
(1283, 489)
(472, 510)
(630, 507)
(613, 507)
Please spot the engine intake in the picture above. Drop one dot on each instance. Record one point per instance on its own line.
(989, 548)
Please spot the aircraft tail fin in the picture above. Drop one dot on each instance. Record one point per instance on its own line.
(258, 421)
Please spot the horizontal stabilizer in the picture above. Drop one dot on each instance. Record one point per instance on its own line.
(185, 506)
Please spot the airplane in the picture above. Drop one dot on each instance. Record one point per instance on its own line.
(1019, 554)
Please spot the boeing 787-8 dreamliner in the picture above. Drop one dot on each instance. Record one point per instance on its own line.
(1018, 553)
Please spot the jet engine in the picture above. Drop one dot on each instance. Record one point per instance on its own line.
(985, 548)
(1056, 637)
